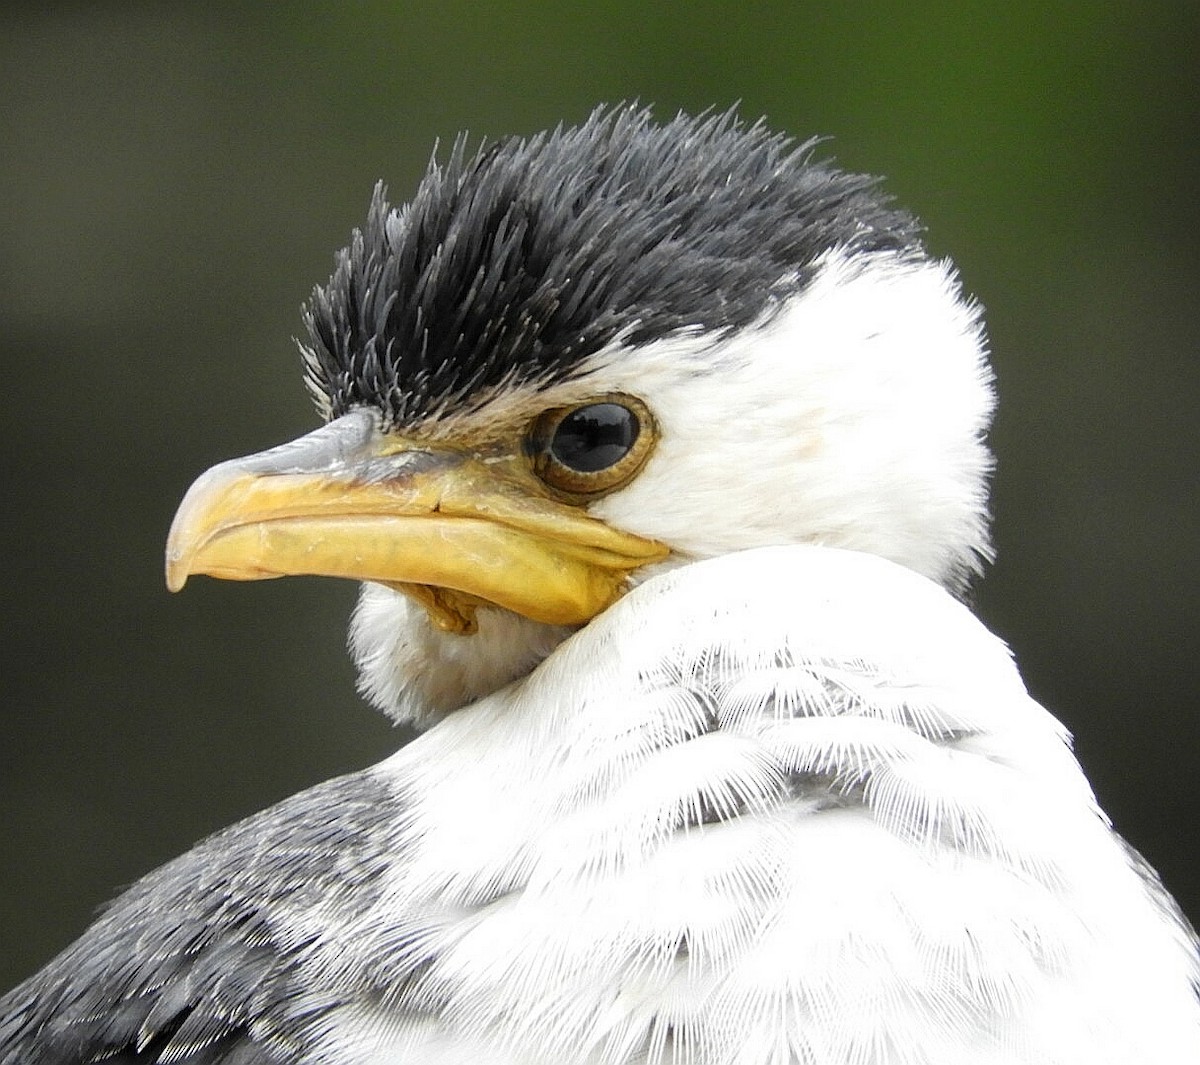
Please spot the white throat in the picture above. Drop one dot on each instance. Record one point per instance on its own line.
(416, 673)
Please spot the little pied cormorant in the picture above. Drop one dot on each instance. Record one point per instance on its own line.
(660, 452)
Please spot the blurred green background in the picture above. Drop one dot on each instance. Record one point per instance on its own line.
(174, 179)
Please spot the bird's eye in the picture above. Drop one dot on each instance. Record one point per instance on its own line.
(595, 448)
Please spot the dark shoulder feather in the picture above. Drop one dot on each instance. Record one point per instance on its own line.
(197, 963)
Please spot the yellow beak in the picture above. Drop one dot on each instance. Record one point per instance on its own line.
(451, 528)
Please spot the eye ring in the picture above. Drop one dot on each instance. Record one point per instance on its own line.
(590, 449)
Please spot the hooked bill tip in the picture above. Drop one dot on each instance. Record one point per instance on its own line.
(176, 578)
(177, 570)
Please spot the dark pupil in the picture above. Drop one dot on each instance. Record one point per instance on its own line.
(593, 438)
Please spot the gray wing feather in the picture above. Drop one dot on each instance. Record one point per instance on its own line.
(198, 963)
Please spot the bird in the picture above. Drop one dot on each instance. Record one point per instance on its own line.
(660, 451)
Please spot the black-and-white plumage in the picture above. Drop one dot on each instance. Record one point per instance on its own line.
(653, 444)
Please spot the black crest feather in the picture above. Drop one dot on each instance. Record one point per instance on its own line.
(517, 262)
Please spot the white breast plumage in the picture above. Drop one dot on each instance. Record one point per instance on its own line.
(793, 804)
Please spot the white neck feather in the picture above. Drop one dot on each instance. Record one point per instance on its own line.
(795, 805)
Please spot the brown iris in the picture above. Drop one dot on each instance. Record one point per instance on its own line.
(589, 450)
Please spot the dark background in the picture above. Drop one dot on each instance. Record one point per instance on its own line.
(173, 181)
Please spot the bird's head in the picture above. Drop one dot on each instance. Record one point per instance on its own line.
(573, 360)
